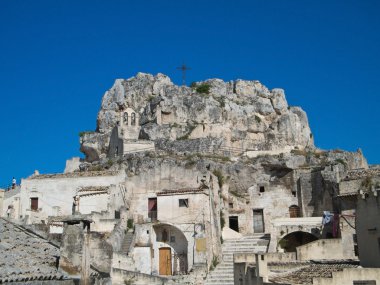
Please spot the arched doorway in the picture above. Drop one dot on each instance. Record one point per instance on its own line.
(289, 242)
(172, 250)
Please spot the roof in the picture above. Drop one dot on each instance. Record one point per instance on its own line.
(348, 194)
(71, 218)
(361, 173)
(75, 174)
(181, 191)
(306, 274)
(26, 256)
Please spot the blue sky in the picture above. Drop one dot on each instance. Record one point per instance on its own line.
(57, 58)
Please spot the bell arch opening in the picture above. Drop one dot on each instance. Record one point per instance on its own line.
(291, 241)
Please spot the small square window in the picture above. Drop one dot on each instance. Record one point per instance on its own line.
(262, 189)
(230, 205)
(184, 203)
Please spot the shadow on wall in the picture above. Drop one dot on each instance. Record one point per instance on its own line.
(290, 242)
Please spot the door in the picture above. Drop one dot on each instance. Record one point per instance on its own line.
(258, 221)
(34, 204)
(234, 223)
(165, 261)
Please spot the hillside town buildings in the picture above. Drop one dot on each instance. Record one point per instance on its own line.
(182, 187)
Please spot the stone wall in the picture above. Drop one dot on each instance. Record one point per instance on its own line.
(367, 229)
(349, 276)
(321, 249)
(55, 195)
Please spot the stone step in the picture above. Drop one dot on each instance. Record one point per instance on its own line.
(223, 274)
(127, 242)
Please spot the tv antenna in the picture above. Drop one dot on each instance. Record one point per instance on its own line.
(184, 68)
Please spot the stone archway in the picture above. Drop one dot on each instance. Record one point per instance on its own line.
(291, 241)
(169, 236)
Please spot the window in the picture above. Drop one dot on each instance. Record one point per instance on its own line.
(152, 209)
(184, 203)
(365, 282)
(125, 117)
(261, 189)
(230, 205)
(133, 119)
(117, 214)
(34, 204)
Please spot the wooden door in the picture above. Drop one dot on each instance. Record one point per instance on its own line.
(165, 261)
(258, 221)
(34, 204)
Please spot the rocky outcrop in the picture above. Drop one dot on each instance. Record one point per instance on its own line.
(243, 114)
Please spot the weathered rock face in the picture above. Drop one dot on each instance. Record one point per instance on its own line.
(244, 114)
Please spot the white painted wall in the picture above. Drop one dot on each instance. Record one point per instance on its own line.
(55, 195)
(170, 211)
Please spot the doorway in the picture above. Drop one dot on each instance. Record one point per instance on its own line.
(234, 223)
(258, 221)
(165, 261)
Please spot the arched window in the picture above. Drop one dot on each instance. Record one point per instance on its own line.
(133, 119)
(125, 118)
(294, 211)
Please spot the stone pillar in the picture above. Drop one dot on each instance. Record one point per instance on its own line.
(74, 250)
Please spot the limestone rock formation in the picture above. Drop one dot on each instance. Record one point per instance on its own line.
(240, 114)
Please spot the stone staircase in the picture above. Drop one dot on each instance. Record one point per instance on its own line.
(223, 274)
(127, 242)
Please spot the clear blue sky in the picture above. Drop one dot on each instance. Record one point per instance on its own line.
(57, 58)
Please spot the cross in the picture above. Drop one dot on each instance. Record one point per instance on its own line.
(183, 67)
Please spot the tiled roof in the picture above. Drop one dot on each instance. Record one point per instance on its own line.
(180, 191)
(362, 173)
(25, 256)
(306, 274)
(349, 194)
(92, 190)
(75, 174)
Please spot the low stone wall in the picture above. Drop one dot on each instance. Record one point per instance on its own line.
(120, 276)
(270, 257)
(283, 257)
(321, 249)
(104, 225)
(123, 262)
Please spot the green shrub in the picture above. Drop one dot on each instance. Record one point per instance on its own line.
(341, 161)
(81, 134)
(130, 224)
(203, 88)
